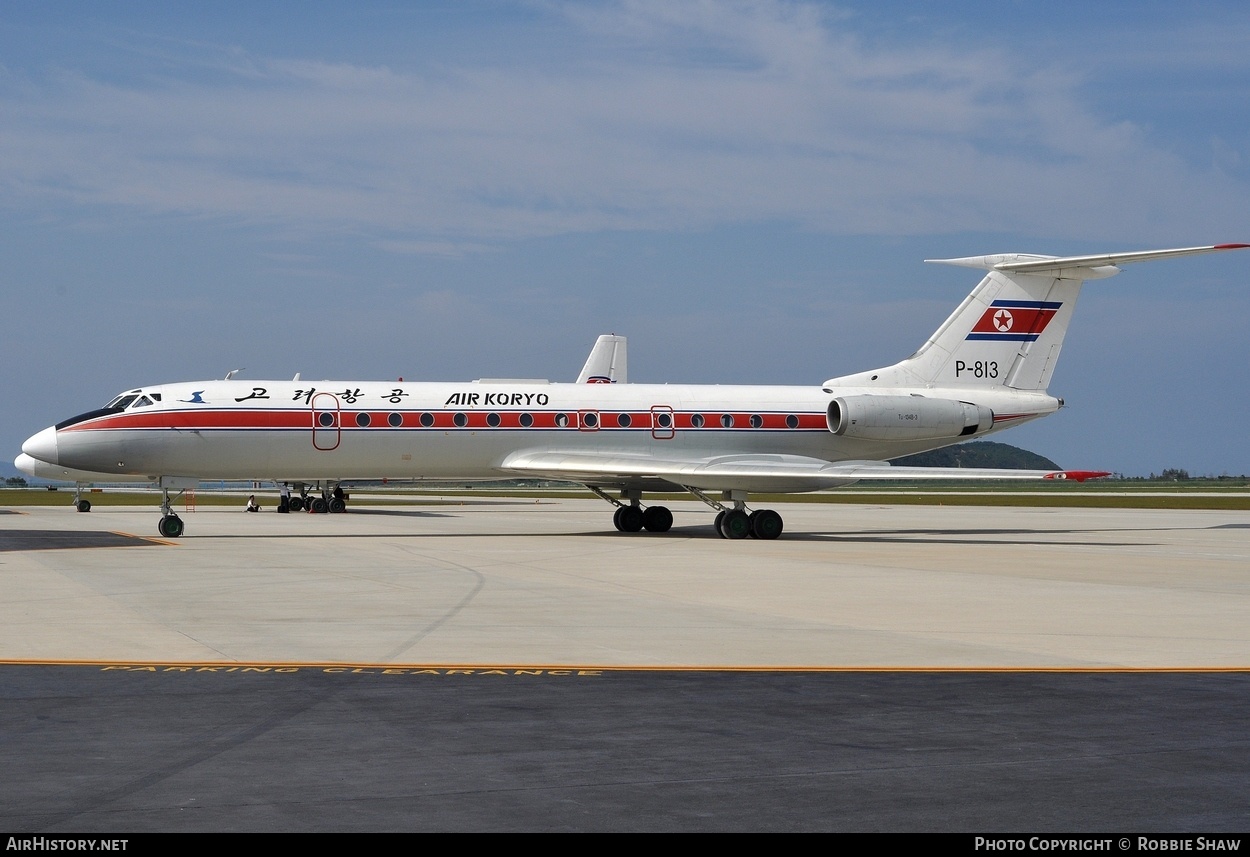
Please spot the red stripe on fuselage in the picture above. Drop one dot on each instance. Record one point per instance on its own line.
(189, 420)
(249, 419)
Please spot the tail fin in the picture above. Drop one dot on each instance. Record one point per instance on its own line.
(607, 362)
(1010, 330)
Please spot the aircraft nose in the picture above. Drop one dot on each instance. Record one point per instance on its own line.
(42, 446)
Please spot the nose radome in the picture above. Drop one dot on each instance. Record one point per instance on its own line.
(42, 446)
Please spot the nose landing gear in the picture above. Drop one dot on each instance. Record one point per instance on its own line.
(170, 525)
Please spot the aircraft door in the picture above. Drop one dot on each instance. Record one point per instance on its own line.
(662, 423)
(326, 429)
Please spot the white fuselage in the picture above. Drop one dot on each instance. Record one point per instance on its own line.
(293, 430)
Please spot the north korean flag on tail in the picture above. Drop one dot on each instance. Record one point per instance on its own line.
(1017, 321)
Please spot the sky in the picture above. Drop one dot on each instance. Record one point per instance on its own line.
(453, 190)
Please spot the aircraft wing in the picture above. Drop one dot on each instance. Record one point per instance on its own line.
(748, 472)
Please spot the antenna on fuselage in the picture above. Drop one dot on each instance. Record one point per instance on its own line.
(232, 373)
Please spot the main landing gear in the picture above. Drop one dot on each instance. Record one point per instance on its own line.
(731, 522)
(737, 523)
(328, 500)
(633, 517)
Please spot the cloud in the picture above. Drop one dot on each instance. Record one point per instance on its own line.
(656, 116)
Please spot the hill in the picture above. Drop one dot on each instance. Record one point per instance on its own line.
(980, 453)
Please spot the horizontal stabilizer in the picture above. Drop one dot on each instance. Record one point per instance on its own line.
(1025, 263)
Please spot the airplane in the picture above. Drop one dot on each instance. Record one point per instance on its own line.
(606, 364)
(985, 369)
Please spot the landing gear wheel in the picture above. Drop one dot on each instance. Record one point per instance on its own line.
(616, 519)
(631, 519)
(170, 526)
(296, 504)
(657, 519)
(337, 505)
(720, 516)
(83, 505)
(735, 525)
(320, 506)
(765, 524)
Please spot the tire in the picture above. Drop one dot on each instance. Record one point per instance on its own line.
(631, 519)
(337, 505)
(170, 527)
(735, 525)
(616, 519)
(84, 505)
(657, 519)
(296, 504)
(320, 506)
(765, 524)
(720, 516)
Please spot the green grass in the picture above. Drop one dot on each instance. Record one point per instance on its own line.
(1103, 495)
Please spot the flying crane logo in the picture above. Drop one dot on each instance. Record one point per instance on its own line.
(1015, 321)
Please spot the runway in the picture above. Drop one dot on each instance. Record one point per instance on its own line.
(506, 664)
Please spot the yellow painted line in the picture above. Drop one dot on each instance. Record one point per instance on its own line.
(349, 665)
(151, 539)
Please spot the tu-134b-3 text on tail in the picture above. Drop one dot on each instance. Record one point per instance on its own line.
(986, 368)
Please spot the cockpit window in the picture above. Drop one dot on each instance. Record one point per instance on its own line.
(142, 402)
(121, 402)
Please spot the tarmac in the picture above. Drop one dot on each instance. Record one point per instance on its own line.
(507, 664)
